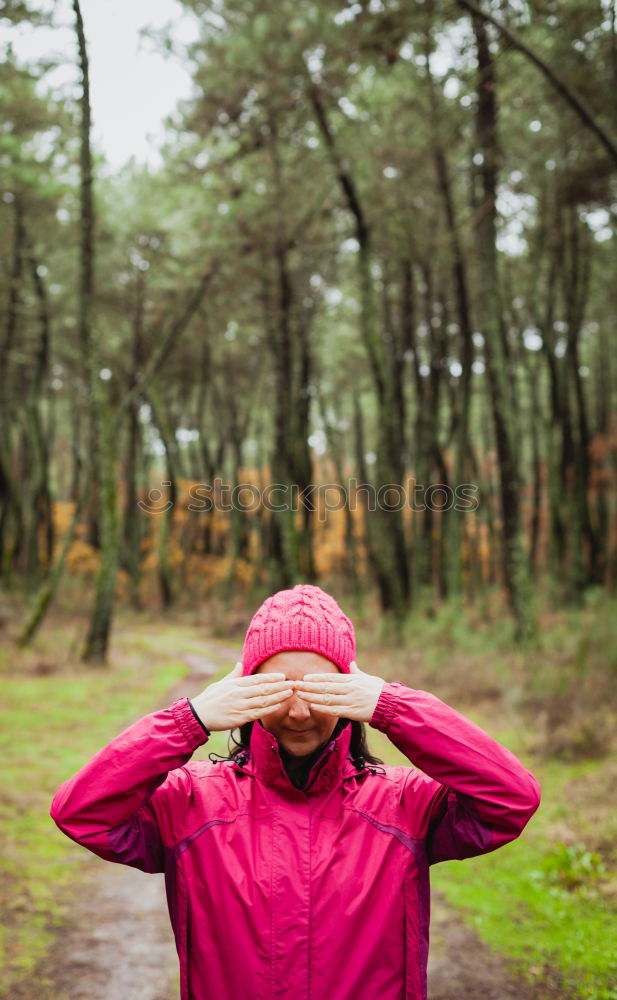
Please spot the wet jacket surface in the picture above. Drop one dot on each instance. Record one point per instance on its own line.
(277, 892)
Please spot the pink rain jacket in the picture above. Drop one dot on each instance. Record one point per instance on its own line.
(277, 893)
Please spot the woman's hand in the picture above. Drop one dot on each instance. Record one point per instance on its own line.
(235, 699)
(350, 696)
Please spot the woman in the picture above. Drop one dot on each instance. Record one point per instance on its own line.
(295, 868)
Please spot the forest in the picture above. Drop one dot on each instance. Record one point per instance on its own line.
(354, 326)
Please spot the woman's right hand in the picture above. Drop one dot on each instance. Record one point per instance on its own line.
(235, 699)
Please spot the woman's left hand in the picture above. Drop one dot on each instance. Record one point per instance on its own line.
(350, 696)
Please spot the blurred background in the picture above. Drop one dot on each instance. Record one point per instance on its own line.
(314, 292)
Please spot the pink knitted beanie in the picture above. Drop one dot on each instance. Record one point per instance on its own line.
(302, 618)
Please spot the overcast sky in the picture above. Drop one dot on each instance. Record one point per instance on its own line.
(132, 87)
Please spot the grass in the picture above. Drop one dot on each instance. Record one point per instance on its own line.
(541, 927)
(50, 724)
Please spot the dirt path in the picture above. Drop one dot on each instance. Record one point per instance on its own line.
(460, 967)
(119, 945)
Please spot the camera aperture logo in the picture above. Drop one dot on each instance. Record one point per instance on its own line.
(155, 502)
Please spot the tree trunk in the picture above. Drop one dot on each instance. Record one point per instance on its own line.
(285, 568)
(501, 382)
(302, 462)
(10, 507)
(132, 517)
(351, 565)
(103, 456)
(576, 291)
(390, 559)
(455, 519)
(165, 517)
(287, 322)
(49, 586)
(39, 505)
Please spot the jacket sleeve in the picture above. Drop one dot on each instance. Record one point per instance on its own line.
(482, 798)
(119, 802)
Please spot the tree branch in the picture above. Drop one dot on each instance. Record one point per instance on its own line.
(576, 103)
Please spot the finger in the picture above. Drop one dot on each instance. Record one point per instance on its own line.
(265, 704)
(354, 668)
(323, 697)
(340, 710)
(237, 670)
(340, 678)
(261, 678)
(257, 690)
(266, 700)
(339, 686)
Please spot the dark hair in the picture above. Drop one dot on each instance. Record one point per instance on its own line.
(358, 746)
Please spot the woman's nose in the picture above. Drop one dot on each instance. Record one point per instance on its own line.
(298, 709)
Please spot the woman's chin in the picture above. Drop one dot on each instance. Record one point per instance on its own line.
(300, 744)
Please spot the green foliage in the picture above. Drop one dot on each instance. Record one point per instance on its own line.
(547, 930)
(574, 694)
(572, 867)
(16, 11)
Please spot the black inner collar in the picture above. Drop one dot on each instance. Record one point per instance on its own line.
(298, 768)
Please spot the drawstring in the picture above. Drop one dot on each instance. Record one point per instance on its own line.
(239, 758)
(360, 764)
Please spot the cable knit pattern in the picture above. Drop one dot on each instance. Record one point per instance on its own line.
(302, 618)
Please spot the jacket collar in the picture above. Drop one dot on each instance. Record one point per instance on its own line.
(326, 773)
